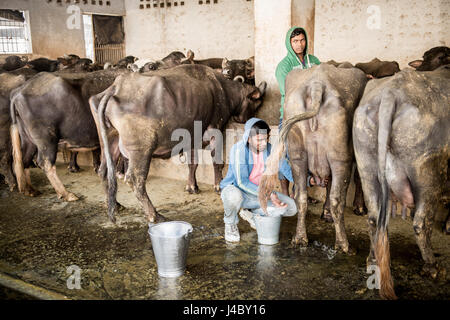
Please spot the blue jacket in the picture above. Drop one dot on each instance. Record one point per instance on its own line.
(241, 164)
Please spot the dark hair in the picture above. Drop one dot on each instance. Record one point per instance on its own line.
(259, 127)
(298, 31)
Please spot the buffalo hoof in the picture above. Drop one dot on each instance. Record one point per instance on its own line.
(30, 192)
(96, 168)
(311, 200)
(326, 215)
(112, 217)
(360, 210)
(70, 197)
(217, 189)
(12, 187)
(300, 241)
(345, 249)
(158, 218)
(432, 270)
(192, 189)
(370, 261)
(73, 169)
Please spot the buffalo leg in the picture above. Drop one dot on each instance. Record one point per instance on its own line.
(422, 224)
(341, 173)
(299, 164)
(47, 148)
(218, 168)
(191, 185)
(326, 213)
(73, 165)
(359, 207)
(29, 150)
(371, 188)
(5, 170)
(50, 172)
(136, 177)
(96, 159)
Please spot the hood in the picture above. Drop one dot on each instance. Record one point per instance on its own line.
(248, 125)
(291, 53)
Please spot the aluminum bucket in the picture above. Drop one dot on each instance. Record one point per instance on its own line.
(170, 243)
(268, 229)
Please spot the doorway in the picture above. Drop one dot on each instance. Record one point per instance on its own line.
(104, 38)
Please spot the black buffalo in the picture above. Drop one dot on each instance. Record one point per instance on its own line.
(432, 59)
(401, 135)
(138, 114)
(50, 109)
(317, 123)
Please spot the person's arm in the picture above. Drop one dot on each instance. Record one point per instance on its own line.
(314, 60)
(281, 74)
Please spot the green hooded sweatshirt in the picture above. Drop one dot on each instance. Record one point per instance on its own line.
(290, 62)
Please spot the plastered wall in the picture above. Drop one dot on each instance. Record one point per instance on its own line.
(214, 30)
(359, 30)
(50, 34)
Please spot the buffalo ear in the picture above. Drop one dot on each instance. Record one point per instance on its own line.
(415, 64)
(250, 63)
(255, 94)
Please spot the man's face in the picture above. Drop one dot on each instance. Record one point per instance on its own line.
(298, 43)
(258, 142)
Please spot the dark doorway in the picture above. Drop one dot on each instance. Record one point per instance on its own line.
(109, 38)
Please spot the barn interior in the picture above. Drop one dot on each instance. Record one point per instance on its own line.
(41, 237)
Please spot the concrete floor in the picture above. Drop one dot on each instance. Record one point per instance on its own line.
(40, 237)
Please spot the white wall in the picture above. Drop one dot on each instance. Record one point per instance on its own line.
(345, 30)
(272, 21)
(48, 24)
(225, 29)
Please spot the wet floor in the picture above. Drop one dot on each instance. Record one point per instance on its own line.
(41, 237)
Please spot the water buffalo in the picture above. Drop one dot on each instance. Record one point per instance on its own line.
(50, 109)
(8, 82)
(142, 111)
(378, 69)
(215, 63)
(432, 59)
(13, 63)
(344, 64)
(401, 135)
(326, 96)
(173, 59)
(239, 69)
(44, 65)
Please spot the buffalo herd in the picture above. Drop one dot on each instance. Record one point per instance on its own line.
(393, 124)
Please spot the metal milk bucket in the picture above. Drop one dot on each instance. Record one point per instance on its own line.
(268, 229)
(170, 243)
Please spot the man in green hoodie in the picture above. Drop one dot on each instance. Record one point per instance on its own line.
(297, 57)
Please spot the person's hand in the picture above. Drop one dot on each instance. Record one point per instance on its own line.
(276, 201)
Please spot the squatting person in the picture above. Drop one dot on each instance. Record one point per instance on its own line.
(240, 186)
